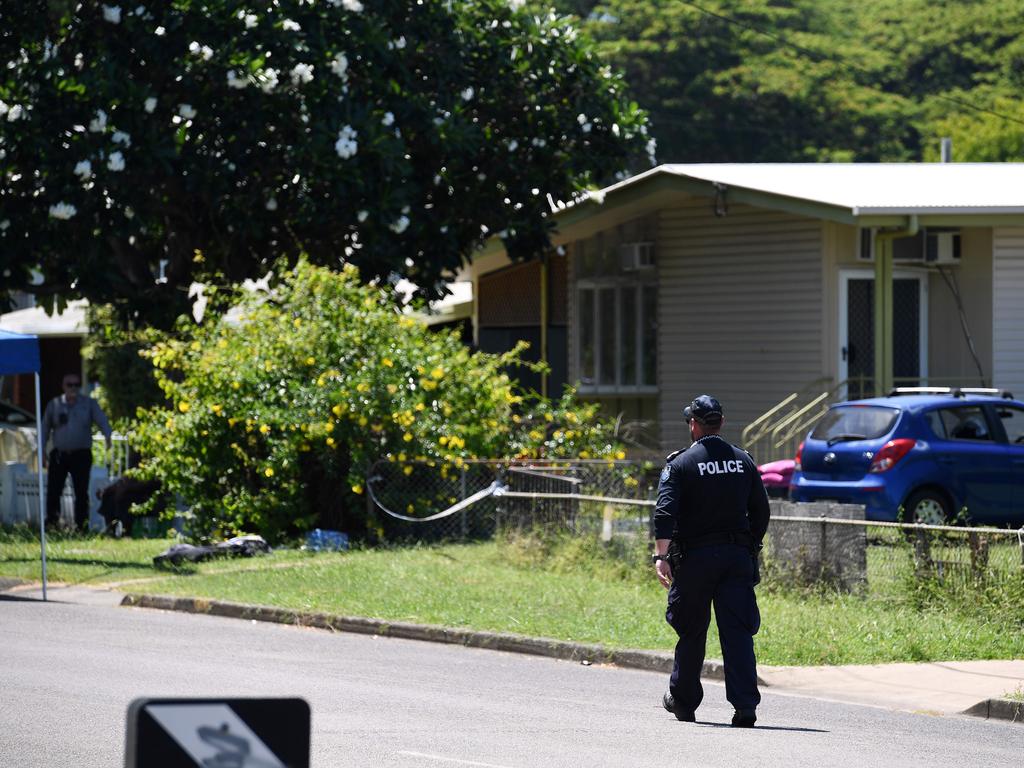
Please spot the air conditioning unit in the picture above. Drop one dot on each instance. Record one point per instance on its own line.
(636, 256)
(942, 248)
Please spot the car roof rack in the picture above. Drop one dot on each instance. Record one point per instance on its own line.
(952, 391)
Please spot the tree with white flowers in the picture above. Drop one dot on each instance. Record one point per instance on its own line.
(146, 146)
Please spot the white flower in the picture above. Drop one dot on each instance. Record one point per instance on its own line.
(3, 107)
(515, 5)
(291, 26)
(203, 51)
(615, 129)
(4, 224)
(140, 11)
(62, 211)
(399, 225)
(512, 145)
(120, 137)
(15, 112)
(272, 204)
(588, 127)
(116, 161)
(234, 81)
(399, 43)
(83, 169)
(349, 5)
(346, 144)
(302, 73)
(581, 118)
(362, 216)
(99, 123)
(652, 147)
(339, 65)
(268, 80)
(249, 19)
(129, 213)
(159, 31)
(186, 111)
(468, 93)
(150, 104)
(112, 13)
(79, 61)
(388, 118)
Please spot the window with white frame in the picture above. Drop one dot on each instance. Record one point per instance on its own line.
(616, 316)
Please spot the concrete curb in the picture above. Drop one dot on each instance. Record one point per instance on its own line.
(998, 709)
(10, 583)
(654, 661)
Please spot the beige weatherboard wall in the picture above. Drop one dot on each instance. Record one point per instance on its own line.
(750, 261)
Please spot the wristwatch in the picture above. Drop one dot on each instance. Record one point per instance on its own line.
(656, 558)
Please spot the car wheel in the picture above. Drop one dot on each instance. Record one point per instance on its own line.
(929, 507)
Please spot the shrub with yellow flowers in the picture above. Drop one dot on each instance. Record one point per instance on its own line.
(277, 407)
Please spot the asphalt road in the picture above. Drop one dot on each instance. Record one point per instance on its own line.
(68, 673)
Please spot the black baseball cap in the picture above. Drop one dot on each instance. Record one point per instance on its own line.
(705, 409)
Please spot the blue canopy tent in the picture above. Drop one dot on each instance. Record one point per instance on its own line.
(19, 353)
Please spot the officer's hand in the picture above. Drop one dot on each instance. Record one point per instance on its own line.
(664, 573)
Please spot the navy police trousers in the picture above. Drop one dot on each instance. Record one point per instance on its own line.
(723, 575)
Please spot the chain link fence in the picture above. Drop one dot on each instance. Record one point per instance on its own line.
(819, 546)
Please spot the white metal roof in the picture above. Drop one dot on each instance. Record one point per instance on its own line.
(869, 188)
(35, 320)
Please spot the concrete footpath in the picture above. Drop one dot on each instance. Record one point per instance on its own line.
(978, 688)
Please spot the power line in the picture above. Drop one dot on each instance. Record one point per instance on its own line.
(850, 68)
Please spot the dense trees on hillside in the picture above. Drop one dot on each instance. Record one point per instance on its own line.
(798, 80)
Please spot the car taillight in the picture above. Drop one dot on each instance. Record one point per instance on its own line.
(891, 452)
(796, 461)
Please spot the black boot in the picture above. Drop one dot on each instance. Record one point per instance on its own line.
(744, 718)
(683, 715)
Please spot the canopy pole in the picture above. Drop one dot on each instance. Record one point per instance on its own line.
(39, 474)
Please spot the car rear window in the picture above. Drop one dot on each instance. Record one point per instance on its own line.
(855, 422)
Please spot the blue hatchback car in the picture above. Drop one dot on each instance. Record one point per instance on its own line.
(932, 453)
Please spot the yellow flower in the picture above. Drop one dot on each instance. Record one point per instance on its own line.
(428, 385)
(362, 387)
(407, 437)
(329, 426)
(235, 385)
(183, 406)
(216, 409)
(363, 421)
(584, 454)
(443, 440)
(195, 346)
(297, 322)
(410, 509)
(407, 469)
(386, 362)
(310, 360)
(392, 389)
(549, 417)
(222, 344)
(321, 381)
(264, 429)
(357, 489)
(420, 406)
(535, 435)
(620, 455)
(330, 441)
(169, 424)
(268, 472)
(232, 421)
(437, 373)
(401, 457)
(339, 409)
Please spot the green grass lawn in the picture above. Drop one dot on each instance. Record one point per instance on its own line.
(573, 593)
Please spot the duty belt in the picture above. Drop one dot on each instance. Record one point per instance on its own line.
(743, 538)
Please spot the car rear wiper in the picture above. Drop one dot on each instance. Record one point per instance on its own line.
(845, 437)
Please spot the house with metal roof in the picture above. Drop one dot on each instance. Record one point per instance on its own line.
(777, 287)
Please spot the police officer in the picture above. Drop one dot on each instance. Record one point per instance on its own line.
(711, 517)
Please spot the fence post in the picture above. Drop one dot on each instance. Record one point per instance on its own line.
(979, 555)
(462, 492)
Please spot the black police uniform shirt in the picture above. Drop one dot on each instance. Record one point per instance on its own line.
(711, 487)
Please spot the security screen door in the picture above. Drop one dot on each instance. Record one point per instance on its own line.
(857, 331)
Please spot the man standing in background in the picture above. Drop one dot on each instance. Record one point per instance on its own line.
(69, 419)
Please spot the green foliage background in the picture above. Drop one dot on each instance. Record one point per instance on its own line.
(805, 80)
(276, 408)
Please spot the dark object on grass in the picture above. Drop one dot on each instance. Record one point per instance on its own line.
(117, 498)
(239, 546)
